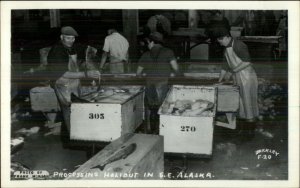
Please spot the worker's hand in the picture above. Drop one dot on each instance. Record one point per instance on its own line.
(93, 74)
(208, 40)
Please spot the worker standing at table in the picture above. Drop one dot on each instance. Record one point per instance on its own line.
(64, 60)
(240, 68)
(157, 64)
(116, 48)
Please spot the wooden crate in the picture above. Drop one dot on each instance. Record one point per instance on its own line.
(109, 119)
(145, 162)
(44, 99)
(186, 134)
(228, 98)
(228, 103)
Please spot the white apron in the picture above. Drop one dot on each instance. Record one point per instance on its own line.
(246, 79)
(63, 89)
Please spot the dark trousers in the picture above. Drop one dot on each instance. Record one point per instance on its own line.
(246, 129)
(156, 91)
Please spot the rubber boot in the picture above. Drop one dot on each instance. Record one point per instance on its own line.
(251, 130)
(248, 131)
(240, 128)
(65, 136)
(241, 132)
(154, 121)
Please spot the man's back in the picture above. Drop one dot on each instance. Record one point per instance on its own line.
(117, 46)
(157, 61)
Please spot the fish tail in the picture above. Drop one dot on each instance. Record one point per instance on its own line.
(101, 167)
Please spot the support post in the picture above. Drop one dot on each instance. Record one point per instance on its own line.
(130, 31)
(54, 18)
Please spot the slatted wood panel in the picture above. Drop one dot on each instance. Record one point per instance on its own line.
(228, 98)
(43, 99)
(186, 134)
(108, 119)
(148, 158)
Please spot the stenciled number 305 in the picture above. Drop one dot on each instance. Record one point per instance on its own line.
(96, 116)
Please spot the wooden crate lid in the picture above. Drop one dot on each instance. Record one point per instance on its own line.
(144, 144)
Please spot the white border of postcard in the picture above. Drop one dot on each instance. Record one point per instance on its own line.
(293, 69)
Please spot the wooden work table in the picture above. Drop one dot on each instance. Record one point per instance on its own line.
(133, 80)
(261, 39)
(262, 48)
(185, 36)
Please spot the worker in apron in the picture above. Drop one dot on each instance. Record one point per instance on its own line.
(64, 73)
(65, 86)
(239, 67)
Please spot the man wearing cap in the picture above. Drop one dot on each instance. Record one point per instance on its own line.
(157, 64)
(217, 21)
(240, 68)
(63, 69)
(116, 48)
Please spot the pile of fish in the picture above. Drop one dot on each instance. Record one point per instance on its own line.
(188, 107)
(107, 94)
(268, 94)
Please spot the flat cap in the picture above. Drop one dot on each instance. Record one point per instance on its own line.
(156, 36)
(68, 30)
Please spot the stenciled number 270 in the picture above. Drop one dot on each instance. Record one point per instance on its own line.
(96, 116)
(188, 128)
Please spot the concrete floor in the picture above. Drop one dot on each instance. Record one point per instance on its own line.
(231, 159)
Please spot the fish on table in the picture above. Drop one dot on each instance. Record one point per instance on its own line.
(99, 95)
(187, 107)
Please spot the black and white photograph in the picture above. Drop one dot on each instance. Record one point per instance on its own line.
(182, 94)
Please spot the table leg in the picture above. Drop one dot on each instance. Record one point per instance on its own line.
(231, 117)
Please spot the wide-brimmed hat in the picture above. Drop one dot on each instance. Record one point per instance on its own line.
(156, 36)
(68, 30)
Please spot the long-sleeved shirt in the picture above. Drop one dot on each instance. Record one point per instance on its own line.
(58, 60)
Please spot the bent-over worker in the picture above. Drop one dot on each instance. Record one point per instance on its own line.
(156, 64)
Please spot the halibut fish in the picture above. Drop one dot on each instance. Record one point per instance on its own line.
(121, 154)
